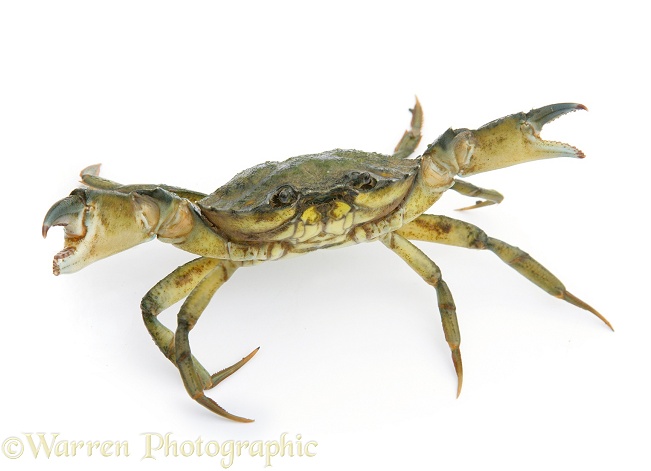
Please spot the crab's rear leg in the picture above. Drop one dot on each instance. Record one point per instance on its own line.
(449, 231)
(431, 273)
(488, 197)
(189, 314)
(411, 137)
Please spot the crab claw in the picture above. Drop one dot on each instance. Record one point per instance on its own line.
(504, 142)
(69, 213)
(96, 224)
(516, 139)
(540, 116)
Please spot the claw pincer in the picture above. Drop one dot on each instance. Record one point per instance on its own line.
(68, 212)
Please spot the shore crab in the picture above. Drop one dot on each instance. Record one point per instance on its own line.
(281, 209)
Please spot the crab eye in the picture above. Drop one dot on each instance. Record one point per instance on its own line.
(284, 196)
(362, 181)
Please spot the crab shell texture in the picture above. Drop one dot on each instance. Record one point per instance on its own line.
(310, 201)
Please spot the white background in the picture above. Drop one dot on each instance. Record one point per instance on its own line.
(353, 357)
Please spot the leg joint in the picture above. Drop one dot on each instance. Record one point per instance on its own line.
(480, 240)
(433, 277)
(149, 306)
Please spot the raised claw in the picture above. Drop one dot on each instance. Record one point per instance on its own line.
(96, 224)
(501, 143)
(70, 213)
(512, 140)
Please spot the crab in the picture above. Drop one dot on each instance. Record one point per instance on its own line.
(277, 210)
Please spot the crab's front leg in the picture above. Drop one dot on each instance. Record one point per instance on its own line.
(449, 231)
(431, 273)
(189, 314)
(488, 197)
(101, 221)
(196, 281)
(171, 289)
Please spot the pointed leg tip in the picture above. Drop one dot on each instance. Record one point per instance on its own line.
(459, 380)
(226, 372)
(570, 298)
(217, 409)
(603, 319)
(234, 418)
(478, 204)
(251, 355)
(244, 420)
(228, 415)
(458, 368)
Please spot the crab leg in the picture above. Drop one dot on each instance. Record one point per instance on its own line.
(431, 273)
(190, 312)
(90, 177)
(171, 289)
(411, 138)
(445, 230)
(174, 287)
(468, 189)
